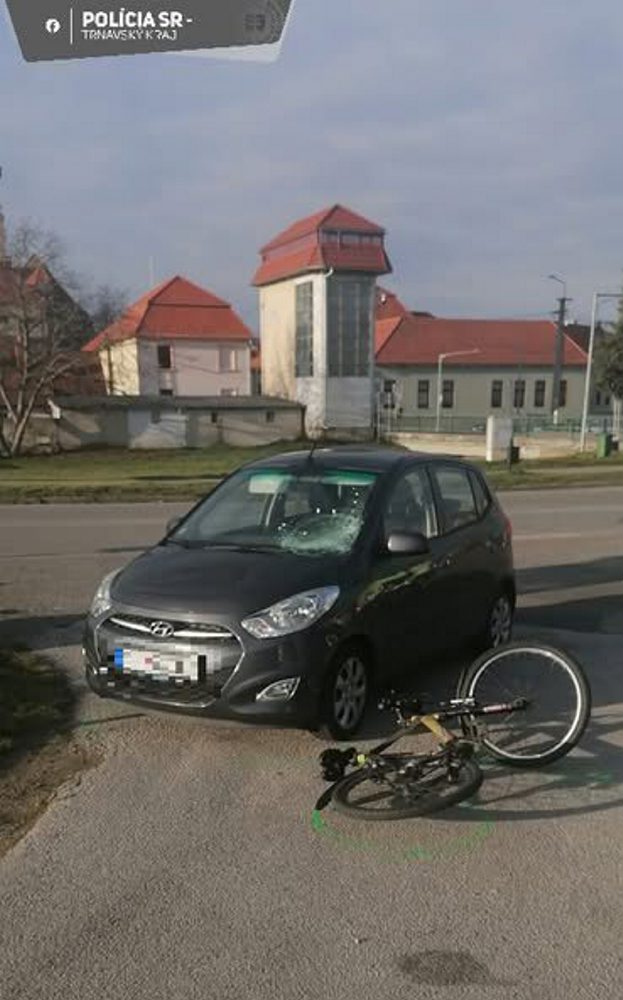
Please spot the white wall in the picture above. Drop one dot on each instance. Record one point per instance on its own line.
(195, 368)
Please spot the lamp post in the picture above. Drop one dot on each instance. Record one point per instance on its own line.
(589, 363)
(440, 360)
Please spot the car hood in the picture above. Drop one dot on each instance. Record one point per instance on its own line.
(220, 581)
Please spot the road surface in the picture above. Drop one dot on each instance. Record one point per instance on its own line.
(187, 866)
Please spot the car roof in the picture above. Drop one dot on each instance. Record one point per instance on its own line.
(373, 458)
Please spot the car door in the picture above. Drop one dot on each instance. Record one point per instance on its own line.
(464, 590)
(399, 594)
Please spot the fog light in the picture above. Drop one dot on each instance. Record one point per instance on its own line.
(279, 691)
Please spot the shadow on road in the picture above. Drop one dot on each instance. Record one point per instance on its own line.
(536, 579)
(603, 614)
(39, 632)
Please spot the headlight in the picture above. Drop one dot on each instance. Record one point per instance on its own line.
(293, 614)
(101, 601)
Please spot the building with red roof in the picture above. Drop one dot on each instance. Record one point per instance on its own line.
(475, 366)
(316, 282)
(177, 340)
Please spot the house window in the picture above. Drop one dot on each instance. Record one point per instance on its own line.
(164, 356)
(539, 392)
(166, 392)
(270, 416)
(447, 394)
(227, 359)
(562, 393)
(304, 335)
(214, 417)
(519, 394)
(229, 392)
(351, 239)
(497, 388)
(423, 394)
(349, 317)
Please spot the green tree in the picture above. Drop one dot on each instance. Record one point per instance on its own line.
(609, 357)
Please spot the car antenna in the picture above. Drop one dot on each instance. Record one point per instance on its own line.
(310, 454)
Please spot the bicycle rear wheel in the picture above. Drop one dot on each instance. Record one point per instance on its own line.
(386, 794)
(558, 702)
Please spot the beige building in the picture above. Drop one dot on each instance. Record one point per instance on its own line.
(178, 340)
(316, 287)
(450, 374)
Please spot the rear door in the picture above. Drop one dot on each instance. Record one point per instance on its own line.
(464, 550)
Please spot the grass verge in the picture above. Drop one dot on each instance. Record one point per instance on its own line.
(113, 475)
(37, 751)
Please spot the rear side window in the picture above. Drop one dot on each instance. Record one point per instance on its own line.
(458, 504)
(481, 493)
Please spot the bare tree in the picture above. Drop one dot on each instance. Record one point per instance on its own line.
(105, 305)
(41, 328)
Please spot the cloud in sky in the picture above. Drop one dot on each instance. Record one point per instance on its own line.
(483, 135)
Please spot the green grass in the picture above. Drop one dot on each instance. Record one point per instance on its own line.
(121, 475)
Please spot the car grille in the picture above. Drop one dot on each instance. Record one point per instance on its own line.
(141, 625)
(217, 649)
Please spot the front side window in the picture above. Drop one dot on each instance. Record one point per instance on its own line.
(519, 394)
(562, 393)
(310, 511)
(304, 332)
(349, 316)
(410, 507)
(458, 505)
(497, 387)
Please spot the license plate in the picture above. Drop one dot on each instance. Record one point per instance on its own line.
(163, 666)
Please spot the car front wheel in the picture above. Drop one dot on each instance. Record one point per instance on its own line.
(346, 694)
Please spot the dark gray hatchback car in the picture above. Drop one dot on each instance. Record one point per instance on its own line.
(302, 581)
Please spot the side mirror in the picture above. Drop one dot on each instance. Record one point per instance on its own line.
(403, 543)
(172, 523)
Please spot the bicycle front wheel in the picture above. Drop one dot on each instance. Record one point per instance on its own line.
(554, 690)
(388, 794)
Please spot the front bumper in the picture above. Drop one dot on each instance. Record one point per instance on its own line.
(234, 668)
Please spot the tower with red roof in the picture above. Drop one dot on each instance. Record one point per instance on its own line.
(316, 286)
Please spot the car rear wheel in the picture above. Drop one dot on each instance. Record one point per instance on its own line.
(499, 627)
(346, 694)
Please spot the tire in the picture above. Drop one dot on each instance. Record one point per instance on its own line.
(346, 693)
(421, 796)
(559, 702)
(499, 625)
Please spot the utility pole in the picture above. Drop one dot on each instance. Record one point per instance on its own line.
(558, 352)
(559, 343)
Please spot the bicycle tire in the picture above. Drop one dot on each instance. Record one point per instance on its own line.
(490, 679)
(468, 782)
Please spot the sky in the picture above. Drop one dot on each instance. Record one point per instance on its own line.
(486, 137)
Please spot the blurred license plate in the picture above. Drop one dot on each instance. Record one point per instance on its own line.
(156, 664)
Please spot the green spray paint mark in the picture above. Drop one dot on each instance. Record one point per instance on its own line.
(418, 852)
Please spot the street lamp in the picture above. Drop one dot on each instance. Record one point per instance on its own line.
(589, 364)
(440, 360)
(561, 281)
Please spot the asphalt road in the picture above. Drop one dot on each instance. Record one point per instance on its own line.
(186, 865)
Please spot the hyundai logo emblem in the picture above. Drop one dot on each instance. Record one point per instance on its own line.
(163, 630)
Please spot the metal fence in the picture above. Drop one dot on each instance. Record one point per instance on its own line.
(522, 425)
